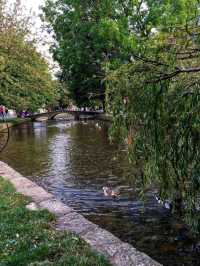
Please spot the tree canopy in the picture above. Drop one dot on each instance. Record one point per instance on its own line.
(25, 81)
(90, 36)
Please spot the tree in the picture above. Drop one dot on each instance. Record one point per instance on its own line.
(155, 102)
(63, 93)
(90, 36)
(25, 82)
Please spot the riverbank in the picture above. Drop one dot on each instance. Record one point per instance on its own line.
(116, 251)
(105, 117)
(28, 238)
(13, 122)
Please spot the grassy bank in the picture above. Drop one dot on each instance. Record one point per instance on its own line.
(28, 238)
(15, 121)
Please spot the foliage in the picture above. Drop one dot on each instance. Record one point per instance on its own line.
(155, 102)
(25, 82)
(27, 237)
(90, 36)
(62, 89)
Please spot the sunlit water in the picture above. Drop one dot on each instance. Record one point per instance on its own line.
(74, 160)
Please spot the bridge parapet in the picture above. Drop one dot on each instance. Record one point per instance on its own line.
(76, 114)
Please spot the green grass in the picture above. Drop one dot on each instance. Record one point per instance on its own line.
(15, 121)
(28, 238)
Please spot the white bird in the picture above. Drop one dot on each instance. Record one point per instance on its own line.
(159, 200)
(166, 203)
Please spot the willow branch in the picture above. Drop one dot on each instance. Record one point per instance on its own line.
(175, 73)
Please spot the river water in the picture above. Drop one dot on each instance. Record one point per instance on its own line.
(74, 160)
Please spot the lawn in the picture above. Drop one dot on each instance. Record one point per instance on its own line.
(28, 238)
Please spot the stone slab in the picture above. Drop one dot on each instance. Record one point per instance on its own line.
(75, 223)
(37, 193)
(99, 235)
(22, 183)
(8, 172)
(126, 255)
(56, 207)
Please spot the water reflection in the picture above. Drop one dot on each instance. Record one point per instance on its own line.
(74, 160)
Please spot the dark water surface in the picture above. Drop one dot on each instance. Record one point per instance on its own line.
(74, 160)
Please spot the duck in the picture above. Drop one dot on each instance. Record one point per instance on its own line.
(167, 204)
(97, 126)
(109, 192)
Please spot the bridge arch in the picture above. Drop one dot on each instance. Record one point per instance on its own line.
(53, 116)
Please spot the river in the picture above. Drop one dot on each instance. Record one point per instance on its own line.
(74, 160)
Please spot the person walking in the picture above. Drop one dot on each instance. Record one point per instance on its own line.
(1, 111)
(4, 110)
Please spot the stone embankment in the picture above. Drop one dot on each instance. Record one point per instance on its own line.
(13, 122)
(117, 252)
(4, 126)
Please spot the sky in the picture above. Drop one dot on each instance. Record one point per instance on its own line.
(34, 7)
(33, 4)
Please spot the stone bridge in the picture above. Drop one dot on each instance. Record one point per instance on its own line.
(76, 114)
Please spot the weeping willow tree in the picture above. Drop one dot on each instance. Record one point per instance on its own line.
(155, 102)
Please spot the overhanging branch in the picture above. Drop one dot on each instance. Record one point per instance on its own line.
(175, 73)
